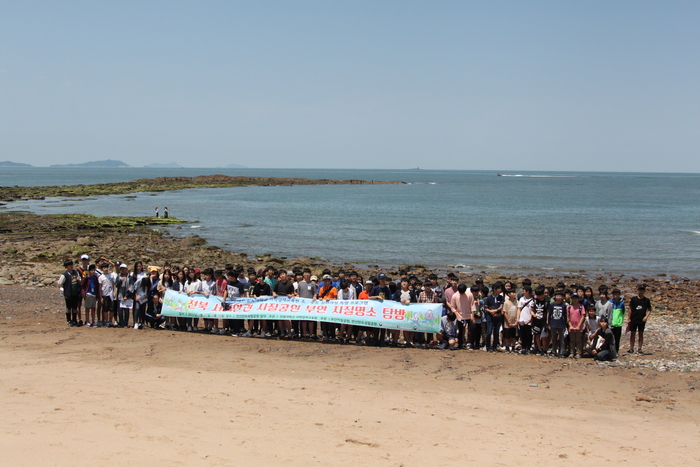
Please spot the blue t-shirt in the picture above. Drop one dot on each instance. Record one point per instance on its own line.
(557, 315)
(383, 292)
(92, 285)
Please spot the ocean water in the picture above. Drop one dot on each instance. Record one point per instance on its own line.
(528, 222)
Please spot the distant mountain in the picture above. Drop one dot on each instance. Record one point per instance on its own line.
(169, 165)
(13, 164)
(235, 166)
(107, 163)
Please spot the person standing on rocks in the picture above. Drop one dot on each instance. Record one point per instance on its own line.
(69, 285)
(165, 212)
(618, 316)
(640, 309)
(157, 213)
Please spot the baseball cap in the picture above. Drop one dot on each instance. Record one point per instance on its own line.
(327, 276)
(85, 257)
(313, 278)
(369, 282)
(381, 275)
(123, 266)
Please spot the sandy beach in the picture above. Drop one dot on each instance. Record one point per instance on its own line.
(98, 396)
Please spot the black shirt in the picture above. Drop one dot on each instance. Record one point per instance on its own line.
(284, 288)
(261, 289)
(639, 308)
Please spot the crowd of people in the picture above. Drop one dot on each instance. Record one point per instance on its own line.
(561, 321)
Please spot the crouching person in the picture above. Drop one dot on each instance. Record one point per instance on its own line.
(153, 315)
(603, 344)
(448, 331)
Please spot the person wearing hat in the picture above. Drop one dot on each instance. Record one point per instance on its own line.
(69, 284)
(327, 292)
(640, 309)
(84, 264)
(83, 272)
(106, 303)
(91, 291)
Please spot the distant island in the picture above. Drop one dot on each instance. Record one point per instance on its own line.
(13, 164)
(169, 165)
(107, 163)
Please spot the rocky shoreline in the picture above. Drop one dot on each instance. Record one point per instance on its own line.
(33, 247)
(14, 193)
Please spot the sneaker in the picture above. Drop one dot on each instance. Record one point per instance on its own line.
(639, 352)
(630, 351)
(136, 326)
(214, 331)
(248, 334)
(189, 328)
(443, 346)
(222, 332)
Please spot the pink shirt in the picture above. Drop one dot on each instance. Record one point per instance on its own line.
(575, 316)
(449, 292)
(462, 305)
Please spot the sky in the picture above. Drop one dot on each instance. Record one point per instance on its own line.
(539, 85)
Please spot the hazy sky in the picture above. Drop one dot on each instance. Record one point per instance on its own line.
(607, 85)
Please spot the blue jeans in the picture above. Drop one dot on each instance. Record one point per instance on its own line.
(493, 328)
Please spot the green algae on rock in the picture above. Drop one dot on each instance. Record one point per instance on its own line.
(22, 223)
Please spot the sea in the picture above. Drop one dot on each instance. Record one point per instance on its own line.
(636, 224)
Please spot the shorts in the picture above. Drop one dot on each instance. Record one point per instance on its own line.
(449, 337)
(73, 302)
(635, 326)
(537, 325)
(90, 301)
(509, 333)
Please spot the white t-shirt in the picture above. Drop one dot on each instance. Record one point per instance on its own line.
(209, 287)
(349, 295)
(106, 282)
(525, 305)
(193, 287)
